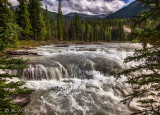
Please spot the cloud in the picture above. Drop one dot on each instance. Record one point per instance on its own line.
(14, 2)
(84, 6)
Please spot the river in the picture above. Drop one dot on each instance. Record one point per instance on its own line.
(78, 79)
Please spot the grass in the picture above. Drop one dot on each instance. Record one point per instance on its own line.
(32, 43)
(136, 41)
(29, 43)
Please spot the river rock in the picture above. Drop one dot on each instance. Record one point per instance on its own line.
(28, 48)
(62, 45)
(2, 72)
(21, 99)
(77, 43)
(20, 53)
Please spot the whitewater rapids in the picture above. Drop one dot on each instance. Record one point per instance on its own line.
(78, 80)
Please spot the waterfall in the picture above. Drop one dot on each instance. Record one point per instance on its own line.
(76, 68)
(78, 80)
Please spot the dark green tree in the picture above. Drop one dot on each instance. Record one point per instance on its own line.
(23, 19)
(7, 36)
(86, 31)
(9, 89)
(60, 22)
(47, 23)
(77, 26)
(83, 32)
(146, 84)
(90, 33)
(37, 23)
(66, 30)
(97, 33)
(53, 28)
(9, 31)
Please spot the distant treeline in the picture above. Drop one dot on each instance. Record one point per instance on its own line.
(96, 30)
(33, 23)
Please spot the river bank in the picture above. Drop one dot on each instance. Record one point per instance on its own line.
(31, 44)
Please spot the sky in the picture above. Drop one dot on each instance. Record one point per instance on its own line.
(84, 6)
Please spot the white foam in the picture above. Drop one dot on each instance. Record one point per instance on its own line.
(101, 93)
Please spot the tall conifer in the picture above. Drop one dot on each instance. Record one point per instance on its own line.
(23, 19)
(37, 23)
(146, 84)
(77, 26)
(7, 35)
(47, 23)
(60, 22)
(8, 29)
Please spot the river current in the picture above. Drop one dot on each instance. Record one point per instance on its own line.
(78, 79)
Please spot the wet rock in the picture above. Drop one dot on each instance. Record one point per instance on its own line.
(63, 45)
(20, 53)
(90, 86)
(2, 72)
(27, 48)
(87, 43)
(68, 81)
(21, 99)
(77, 43)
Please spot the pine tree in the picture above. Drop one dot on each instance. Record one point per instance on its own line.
(53, 27)
(97, 33)
(90, 33)
(60, 22)
(8, 29)
(83, 32)
(7, 90)
(146, 84)
(107, 36)
(7, 35)
(86, 31)
(23, 19)
(46, 20)
(94, 31)
(66, 30)
(37, 23)
(77, 26)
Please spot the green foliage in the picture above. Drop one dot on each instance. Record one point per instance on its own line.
(23, 19)
(8, 37)
(47, 23)
(60, 22)
(9, 31)
(144, 77)
(37, 23)
(53, 28)
(9, 89)
(77, 26)
(145, 84)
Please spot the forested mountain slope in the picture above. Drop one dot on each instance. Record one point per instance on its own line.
(128, 11)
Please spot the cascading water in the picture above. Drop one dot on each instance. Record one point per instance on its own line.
(78, 80)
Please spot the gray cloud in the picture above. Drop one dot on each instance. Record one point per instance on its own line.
(83, 6)
(14, 2)
(86, 6)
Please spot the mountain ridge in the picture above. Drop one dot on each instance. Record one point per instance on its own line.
(127, 12)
